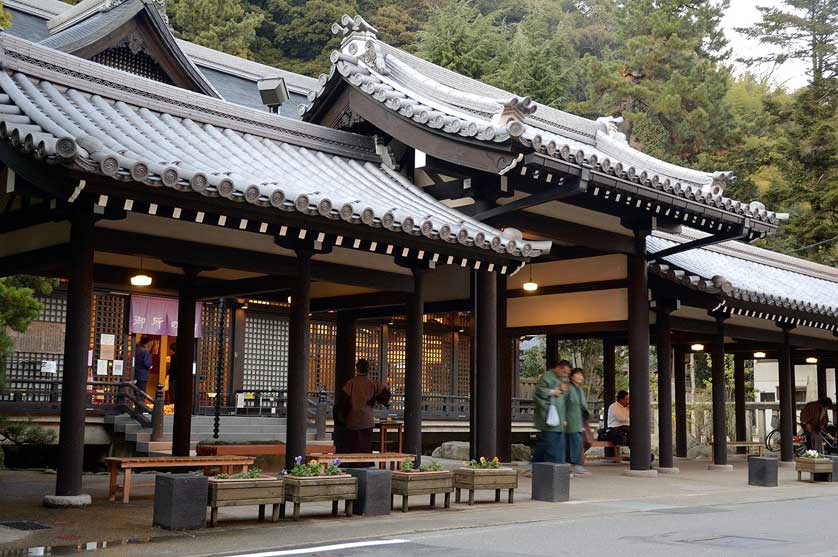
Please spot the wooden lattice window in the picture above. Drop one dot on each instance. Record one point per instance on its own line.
(265, 351)
(138, 63)
(109, 319)
(210, 352)
(396, 360)
(461, 387)
(321, 368)
(436, 363)
(368, 346)
(25, 377)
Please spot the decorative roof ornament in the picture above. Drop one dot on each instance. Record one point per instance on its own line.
(348, 25)
(159, 5)
(609, 126)
(513, 113)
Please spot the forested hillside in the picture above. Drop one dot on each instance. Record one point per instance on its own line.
(663, 65)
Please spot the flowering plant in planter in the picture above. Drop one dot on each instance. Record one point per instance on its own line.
(813, 454)
(482, 464)
(252, 474)
(314, 468)
(408, 466)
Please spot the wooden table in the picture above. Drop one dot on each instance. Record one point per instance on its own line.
(128, 464)
(383, 460)
(386, 426)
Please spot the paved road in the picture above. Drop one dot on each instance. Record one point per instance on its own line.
(787, 527)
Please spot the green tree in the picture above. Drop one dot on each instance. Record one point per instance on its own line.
(532, 358)
(225, 25)
(5, 17)
(18, 308)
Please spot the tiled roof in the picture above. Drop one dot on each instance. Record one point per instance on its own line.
(71, 111)
(746, 276)
(443, 100)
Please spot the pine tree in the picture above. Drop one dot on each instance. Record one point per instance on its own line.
(225, 25)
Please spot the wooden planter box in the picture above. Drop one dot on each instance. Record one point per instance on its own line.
(474, 479)
(321, 488)
(270, 457)
(230, 492)
(408, 484)
(813, 466)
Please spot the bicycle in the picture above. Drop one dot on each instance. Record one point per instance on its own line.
(772, 442)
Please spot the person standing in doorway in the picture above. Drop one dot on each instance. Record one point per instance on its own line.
(142, 364)
(171, 372)
(550, 414)
(355, 404)
(576, 414)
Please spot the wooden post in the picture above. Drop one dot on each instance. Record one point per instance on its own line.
(157, 414)
(551, 350)
(742, 433)
(504, 377)
(719, 408)
(821, 377)
(76, 344)
(413, 367)
(182, 422)
(486, 360)
(609, 384)
(787, 405)
(664, 350)
(680, 402)
(638, 341)
(298, 356)
(345, 340)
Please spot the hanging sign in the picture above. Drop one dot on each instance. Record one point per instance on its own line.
(153, 315)
(49, 366)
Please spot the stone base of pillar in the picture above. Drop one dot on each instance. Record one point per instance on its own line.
(640, 473)
(720, 467)
(673, 470)
(67, 501)
(784, 464)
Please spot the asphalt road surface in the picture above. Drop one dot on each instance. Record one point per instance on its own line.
(800, 526)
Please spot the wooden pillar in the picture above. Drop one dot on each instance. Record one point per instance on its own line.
(486, 361)
(551, 349)
(609, 372)
(76, 345)
(504, 368)
(822, 377)
(184, 394)
(835, 397)
(298, 360)
(787, 411)
(345, 341)
(664, 350)
(739, 400)
(237, 353)
(717, 372)
(638, 343)
(413, 367)
(680, 365)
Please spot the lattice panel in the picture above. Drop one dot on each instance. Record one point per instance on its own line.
(436, 363)
(109, 315)
(265, 351)
(461, 387)
(396, 360)
(368, 346)
(25, 379)
(139, 63)
(321, 365)
(211, 350)
(55, 308)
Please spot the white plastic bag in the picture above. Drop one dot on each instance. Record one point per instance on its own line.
(552, 416)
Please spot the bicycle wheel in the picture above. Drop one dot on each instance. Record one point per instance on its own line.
(772, 442)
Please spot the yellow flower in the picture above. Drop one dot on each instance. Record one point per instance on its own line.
(495, 459)
(465, 463)
(482, 459)
(313, 461)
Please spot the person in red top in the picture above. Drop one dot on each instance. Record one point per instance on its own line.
(355, 404)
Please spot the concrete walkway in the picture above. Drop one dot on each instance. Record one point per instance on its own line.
(127, 530)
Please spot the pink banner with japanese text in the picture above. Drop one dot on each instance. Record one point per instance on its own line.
(152, 315)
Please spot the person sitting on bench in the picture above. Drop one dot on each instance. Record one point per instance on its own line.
(618, 420)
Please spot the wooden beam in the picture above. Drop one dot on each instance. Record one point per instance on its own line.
(196, 253)
(358, 301)
(554, 193)
(598, 329)
(43, 261)
(566, 231)
(569, 288)
(254, 286)
(54, 181)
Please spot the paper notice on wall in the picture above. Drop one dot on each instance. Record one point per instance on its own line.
(90, 358)
(101, 367)
(107, 347)
(117, 367)
(49, 366)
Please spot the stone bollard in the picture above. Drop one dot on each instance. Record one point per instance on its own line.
(157, 415)
(374, 491)
(550, 482)
(762, 471)
(180, 501)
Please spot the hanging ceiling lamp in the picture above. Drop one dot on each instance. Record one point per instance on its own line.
(530, 285)
(811, 360)
(141, 279)
(697, 347)
(759, 355)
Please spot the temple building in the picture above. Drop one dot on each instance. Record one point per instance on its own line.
(274, 227)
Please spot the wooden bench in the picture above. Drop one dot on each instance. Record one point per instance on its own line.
(129, 464)
(382, 460)
(753, 447)
(618, 451)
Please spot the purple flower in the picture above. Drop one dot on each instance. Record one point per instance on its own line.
(284, 472)
(337, 462)
(298, 460)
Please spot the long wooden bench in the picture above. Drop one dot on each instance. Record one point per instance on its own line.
(129, 464)
(382, 460)
(618, 450)
(753, 447)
